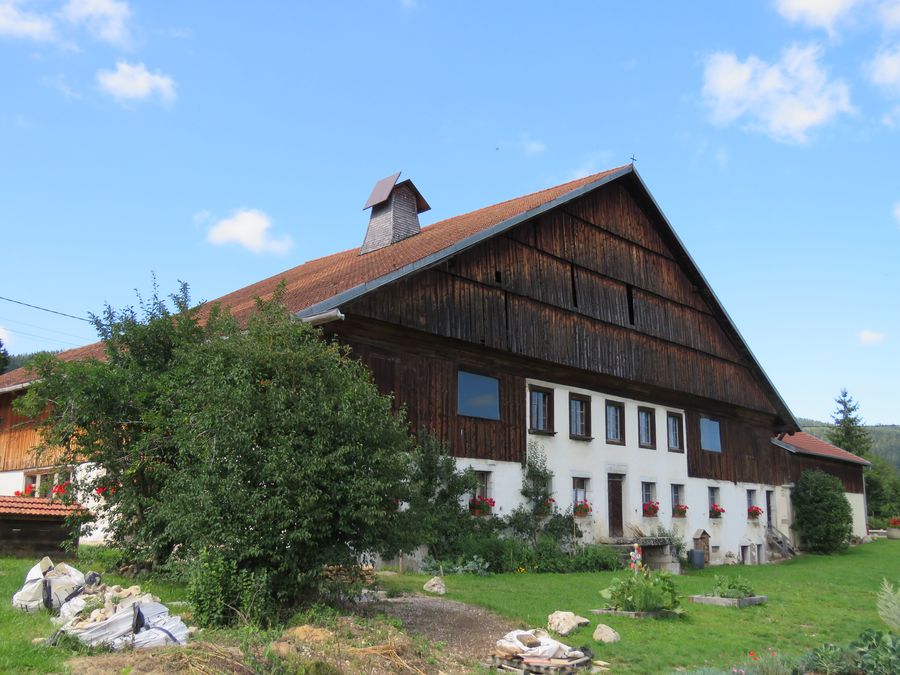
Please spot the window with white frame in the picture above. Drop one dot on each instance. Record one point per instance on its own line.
(541, 404)
(483, 484)
(677, 495)
(579, 489)
(648, 492)
(751, 498)
(41, 483)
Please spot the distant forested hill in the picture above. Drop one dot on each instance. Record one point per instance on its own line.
(886, 437)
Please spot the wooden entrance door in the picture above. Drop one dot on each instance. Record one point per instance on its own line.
(770, 517)
(614, 490)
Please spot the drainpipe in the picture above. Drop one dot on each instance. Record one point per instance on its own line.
(324, 317)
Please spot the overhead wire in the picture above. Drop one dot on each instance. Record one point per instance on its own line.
(44, 309)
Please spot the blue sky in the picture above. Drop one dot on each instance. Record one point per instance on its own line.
(223, 142)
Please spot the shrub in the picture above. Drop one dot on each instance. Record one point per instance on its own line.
(823, 517)
(888, 605)
(675, 537)
(646, 591)
(732, 587)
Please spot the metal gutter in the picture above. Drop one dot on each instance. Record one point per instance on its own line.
(473, 240)
(324, 317)
(16, 387)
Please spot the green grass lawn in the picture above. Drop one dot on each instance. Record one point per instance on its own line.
(812, 600)
(17, 629)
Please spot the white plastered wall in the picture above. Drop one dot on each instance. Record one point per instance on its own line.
(858, 505)
(10, 481)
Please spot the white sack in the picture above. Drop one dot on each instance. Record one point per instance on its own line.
(548, 649)
(62, 579)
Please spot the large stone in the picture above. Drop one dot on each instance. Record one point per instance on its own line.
(564, 623)
(603, 633)
(435, 585)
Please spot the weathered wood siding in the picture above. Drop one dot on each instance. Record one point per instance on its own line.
(18, 437)
(26, 537)
(425, 383)
(591, 286)
(851, 475)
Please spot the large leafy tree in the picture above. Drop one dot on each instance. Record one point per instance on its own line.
(848, 431)
(822, 515)
(263, 443)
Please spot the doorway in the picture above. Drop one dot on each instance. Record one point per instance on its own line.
(770, 503)
(614, 490)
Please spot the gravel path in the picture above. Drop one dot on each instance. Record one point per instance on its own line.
(468, 632)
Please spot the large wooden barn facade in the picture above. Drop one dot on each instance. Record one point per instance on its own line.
(571, 321)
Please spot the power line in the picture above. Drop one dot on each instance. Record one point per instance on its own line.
(43, 337)
(5, 320)
(44, 309)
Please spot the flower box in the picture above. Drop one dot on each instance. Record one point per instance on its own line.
(582, 509)
(716, 511)
(740, 603)
(481, 506)
(651, 509)
(679, 510)
(754, 512)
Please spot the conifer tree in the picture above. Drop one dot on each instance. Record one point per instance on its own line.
(4, 358)
(848, 431)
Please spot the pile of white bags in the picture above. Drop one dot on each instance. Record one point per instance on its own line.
(98, 615)
(47, 586)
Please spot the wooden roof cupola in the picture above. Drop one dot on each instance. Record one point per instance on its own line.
(395, 213)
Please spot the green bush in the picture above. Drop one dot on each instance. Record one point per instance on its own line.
(732, 587)
(222, 594)
(873, 653)
(822, 514)
(645, 591)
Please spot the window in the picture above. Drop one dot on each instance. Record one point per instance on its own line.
(675, 432)
(751, 498)
(579, 416)
(647, 428)
(677, 495)
(478, 396)
(713, 496)
(42, 483)
(710, 438)
(648, 492)
(579, 490)
(615, 422)
(483, 481)
(541, 410)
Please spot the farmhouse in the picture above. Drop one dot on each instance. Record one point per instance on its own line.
(571, 320)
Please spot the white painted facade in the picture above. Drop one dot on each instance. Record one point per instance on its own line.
(595, 459)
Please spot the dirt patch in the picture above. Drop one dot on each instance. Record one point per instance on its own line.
(467, 632)
(197, 657)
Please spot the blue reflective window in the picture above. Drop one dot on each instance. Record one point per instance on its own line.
(710, 437)
(478, 396)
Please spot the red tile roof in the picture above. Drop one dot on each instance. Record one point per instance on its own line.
(36, 507)
(321, 279)
(807, 444)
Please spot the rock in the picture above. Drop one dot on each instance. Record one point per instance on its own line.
(435, 585)
(38, 641)
(565, 622)
(282, 649)
(603, 633)
(192, 631)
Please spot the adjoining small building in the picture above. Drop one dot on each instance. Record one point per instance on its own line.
(572, 320)
(34, 526)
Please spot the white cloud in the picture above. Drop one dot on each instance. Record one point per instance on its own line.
(816, 13)
(20, 24)
(135, 83)
(889, 13)
(884, 70)
(532, 147)
(5, 337)
(897, 213)
(784, 100)
(202, 217)
(871, 337)
(409, 4)
(106, 20)
(249, 228)
(61, 85)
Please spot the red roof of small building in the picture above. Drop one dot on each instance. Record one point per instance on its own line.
(807, 444)
(36, 507)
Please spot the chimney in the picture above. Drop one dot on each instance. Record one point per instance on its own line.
(395, 213)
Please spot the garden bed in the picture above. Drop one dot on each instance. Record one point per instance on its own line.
(729, 602)
(634, 615)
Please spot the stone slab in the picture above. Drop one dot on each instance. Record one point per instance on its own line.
(633, 615)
